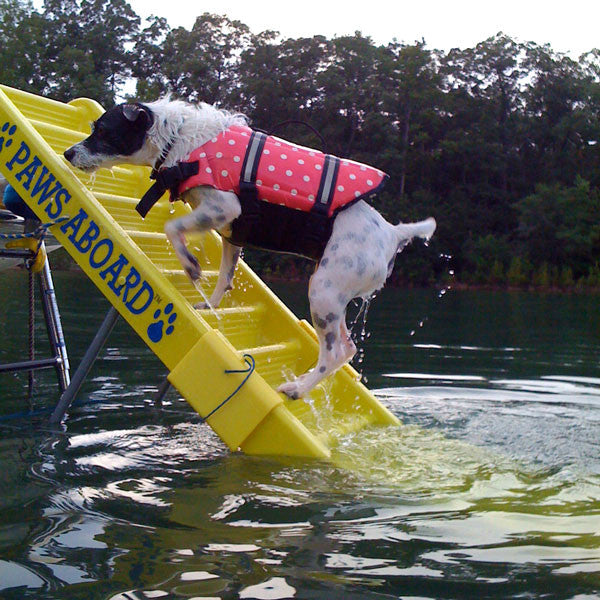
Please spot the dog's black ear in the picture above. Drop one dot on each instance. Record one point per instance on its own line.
(135, 112)
(131, 112)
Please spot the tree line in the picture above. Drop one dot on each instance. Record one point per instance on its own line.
(499, 141)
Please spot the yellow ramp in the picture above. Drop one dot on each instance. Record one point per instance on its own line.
(129, 260)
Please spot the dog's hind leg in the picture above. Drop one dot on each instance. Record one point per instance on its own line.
(328, 311)
(213, 210)
(347, 343)
(229, 258)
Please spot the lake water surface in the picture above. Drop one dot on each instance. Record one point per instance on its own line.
(490, 489)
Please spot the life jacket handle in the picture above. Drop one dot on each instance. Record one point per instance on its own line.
(298, 122)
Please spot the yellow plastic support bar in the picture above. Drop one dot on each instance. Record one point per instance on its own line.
(129, 260)
(31, 244)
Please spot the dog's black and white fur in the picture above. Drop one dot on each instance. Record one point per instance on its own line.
(357, 260)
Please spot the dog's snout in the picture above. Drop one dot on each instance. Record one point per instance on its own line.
(69, 154)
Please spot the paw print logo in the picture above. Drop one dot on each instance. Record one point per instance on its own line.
(155, 330)
(9, 130)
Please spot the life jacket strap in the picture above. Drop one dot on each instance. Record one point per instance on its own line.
(167, 178)
(280, 228)
(248, 192)
(329, 176)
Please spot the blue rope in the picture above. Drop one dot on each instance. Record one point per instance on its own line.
(249, 360)
(40, 231)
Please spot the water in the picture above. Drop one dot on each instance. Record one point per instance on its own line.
(491, 489)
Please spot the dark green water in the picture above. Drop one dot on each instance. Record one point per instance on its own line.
(491, 489)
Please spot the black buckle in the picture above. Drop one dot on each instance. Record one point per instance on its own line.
(168, 178)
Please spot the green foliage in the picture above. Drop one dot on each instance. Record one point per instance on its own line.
(542, 278)
(518, 272)
(277, 81)
(72, 48)
(20, 27)
(497, 273)
(566, 281)
(198, 64)
(561, 225)
(499, 142)
(593, 278)
(486, 259)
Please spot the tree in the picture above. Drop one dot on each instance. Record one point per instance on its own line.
(277, 82)
(20, 45)
(560, 125)
(196, 65)
(409, 76)
(85, 48)
(147, 68)
(484, 86)
(561, 225)
(500, 142)
(349, 92)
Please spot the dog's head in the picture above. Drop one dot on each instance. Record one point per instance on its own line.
(119, 135)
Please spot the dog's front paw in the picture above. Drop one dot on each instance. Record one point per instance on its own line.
(204, 306)
(291, 389)
(193, 273)
(192, 267)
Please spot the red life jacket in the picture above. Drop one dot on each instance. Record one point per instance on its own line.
(283, 173)
(288, 194)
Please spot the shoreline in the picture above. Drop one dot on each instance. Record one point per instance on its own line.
(462, 286)
(67, 265)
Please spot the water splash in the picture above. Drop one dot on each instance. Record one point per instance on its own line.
(362, 335)
(198, 286)
(419, 326)
(201, 250)
(91, 182)
(416, 460)
(441, 293)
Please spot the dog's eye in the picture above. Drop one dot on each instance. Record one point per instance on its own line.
(98, 130)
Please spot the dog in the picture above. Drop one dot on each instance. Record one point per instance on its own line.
(356, 246)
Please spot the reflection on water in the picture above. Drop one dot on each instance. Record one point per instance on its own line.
(490, 489)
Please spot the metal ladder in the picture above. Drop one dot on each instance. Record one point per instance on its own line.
(59, 359)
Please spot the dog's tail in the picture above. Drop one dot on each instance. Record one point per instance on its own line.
(408, 231)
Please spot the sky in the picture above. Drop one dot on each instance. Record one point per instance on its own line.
(570, 27)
